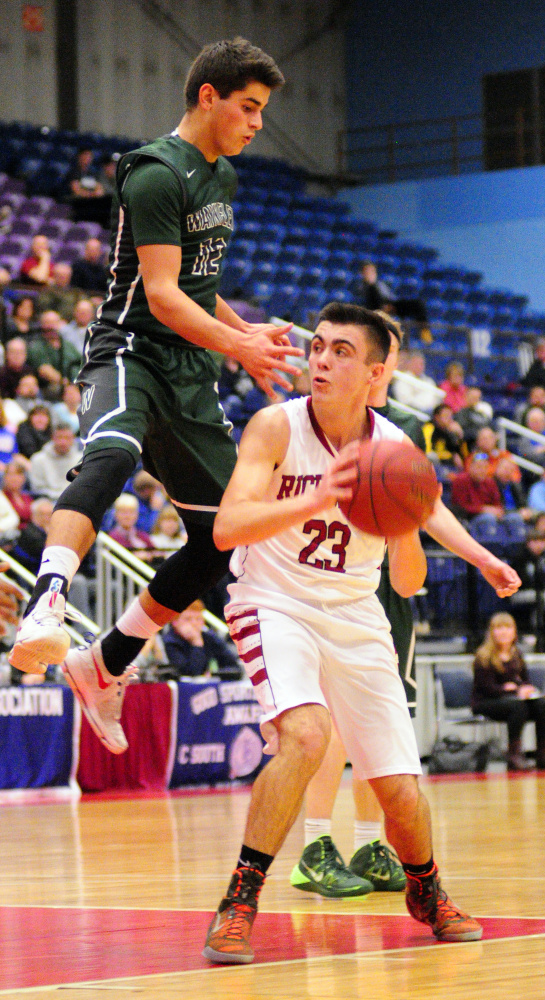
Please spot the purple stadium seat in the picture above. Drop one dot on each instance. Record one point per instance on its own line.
(12, 263)
(58, 211)
(55, 229)
(15, 246)
(39, 204)
(25, 225)
(69, 252)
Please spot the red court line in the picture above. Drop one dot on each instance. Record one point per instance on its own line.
(42, 946)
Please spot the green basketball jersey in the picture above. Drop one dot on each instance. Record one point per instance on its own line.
(168, 193)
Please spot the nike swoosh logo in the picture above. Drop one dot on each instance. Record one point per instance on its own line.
(191, 172)
(383, 878)
(103, 685)
(317, 876)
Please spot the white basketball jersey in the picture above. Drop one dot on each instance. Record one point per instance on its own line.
(324, 559)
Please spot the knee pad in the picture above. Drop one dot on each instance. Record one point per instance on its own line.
(98, 483)
(190, 572)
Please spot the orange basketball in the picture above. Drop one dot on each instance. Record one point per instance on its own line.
(395, 490)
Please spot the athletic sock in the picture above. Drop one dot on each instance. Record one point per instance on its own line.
(250, 858)
(365, 833)
(420, 871)
(315, 828)
(58, 562)
(49, 581)
(127, 638)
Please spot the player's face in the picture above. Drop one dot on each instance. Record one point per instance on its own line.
(338, 366)
(234, 120)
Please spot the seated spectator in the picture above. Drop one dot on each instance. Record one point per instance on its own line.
(37, 269)
(49, 467)
(86, 193)
(233, 380)
(35, 431)
(90, 272)
(14, 367)
(445, 443)
(474, 415)
(75, 331)
(151, 499)
(502, 690)
(533, 450)
(27, 394)
(125, 531)
(424, 395)
(194, 650)
(13, 483)
(8, 441)
(52, 358)
(168, 533)
(536, 397)
(376, 294)
(536, 372)
(487, 443)
(22, 322)
(9, 519)
(511, 490)
(31, 542)
(59, 296)
(66, 412)
(453, 386)
(536, 495)
(529, 562)
(475, 492)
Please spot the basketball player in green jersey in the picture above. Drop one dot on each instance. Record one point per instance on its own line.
(150, 367)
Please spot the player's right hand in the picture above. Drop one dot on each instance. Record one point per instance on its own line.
(262, 350)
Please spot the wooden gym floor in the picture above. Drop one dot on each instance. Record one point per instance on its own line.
(111, 898)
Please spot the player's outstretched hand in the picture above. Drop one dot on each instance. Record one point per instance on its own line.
(262, 350)
(502, 577)
(336, 484)
(9, 596)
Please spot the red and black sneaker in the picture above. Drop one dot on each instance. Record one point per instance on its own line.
(428, 902)
(228, 938)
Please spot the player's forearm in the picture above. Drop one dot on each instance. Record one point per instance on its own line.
(407, 562)
(447, 530)
(176, 310)
(228, 316)
(247, 522)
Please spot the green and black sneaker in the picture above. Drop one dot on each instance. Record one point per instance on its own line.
(321, 869)
(380, 866)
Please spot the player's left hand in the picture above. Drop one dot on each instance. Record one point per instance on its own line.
(503, 578)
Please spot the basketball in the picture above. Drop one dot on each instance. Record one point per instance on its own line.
(395, 490)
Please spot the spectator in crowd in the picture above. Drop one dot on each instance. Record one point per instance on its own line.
(37, 269)
(533, 450)
(474, 415)
(66, 411)
(49, 467)
(453, 386)
(502, 690)
(445, 443)
(536, 397)
(197, 651)
(30, 544)
(14, 367)
(90, 273)
(52, 358)
(536, 372)
(529, 605)
(22, 322)
(10, 595)
(8, 441)
(168, 533)
(536, 495)
(59, 295)
(35, 431)
(82, 179)
(486, 443)
(107, 173)
(475, 492)
(28, 394)
(151, 499)
(233, 380)
(74, 331)
(9, 520)
(13, 482)
(422, 395)
(512, 493)
(125, 530)
(373, 293)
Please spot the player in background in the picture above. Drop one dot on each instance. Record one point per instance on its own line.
(310, 629)
(149, 373)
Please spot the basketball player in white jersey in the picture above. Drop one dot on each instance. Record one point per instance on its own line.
(310, 630)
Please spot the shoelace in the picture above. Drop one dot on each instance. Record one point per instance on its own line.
(59, 615)
(333, 858)
(448, 909)
(385, 858)
(238, 924)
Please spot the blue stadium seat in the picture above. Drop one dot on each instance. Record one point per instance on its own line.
(289, 274)
(315, 275)
(292, 253)
(316, 255)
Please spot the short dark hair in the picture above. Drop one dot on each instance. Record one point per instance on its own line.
(350, 314)
(230, 65)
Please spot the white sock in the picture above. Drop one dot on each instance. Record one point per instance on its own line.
(315, 828)
(134, 621)
(365, 833)
(60, 560)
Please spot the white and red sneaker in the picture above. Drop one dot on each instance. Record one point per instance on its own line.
(41, 639)
(99, 693)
